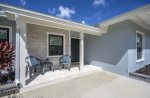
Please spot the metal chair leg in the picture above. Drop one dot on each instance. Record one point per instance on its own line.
(63, 66)
(60, 66)
(69, 67)
(30, 71)
(51, 67)
(43, 70)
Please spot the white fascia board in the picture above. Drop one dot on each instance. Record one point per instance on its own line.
(37, 15)
(125, 16)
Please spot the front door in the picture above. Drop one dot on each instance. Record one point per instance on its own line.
(74, 50)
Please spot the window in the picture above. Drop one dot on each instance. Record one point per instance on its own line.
(4, 34)
(55, 45)
(140, 45)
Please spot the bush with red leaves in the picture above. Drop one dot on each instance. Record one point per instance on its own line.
(7, 54)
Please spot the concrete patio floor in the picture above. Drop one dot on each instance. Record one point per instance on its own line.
(96, 84)
(56, 76)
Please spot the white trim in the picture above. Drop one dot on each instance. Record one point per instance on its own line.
(44, 15)
(97, 30)
(75, 37)
(17, 59)
(64, 43)
(143, 46)
(81, 50)
(125, 16)
(10, 32)
(66, 23)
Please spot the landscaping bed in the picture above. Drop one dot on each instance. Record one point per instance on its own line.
(144, 70)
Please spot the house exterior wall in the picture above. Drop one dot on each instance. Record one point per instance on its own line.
(110, 51)
(74, 34)
(37, 41)
(12, 24)
(115, 51)
(132, 64)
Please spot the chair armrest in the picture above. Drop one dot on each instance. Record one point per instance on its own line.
(60, 59)
(39, 59)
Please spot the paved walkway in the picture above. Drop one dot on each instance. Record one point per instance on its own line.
(98, 84)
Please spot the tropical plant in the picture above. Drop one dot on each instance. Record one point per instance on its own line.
(7, 54)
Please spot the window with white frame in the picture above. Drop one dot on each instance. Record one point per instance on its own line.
(140, 45)
(55, 45)
(4, 34)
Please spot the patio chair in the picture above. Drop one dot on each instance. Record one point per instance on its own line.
(65, 60)
(7, 75)
(45, 63)
(33, 62)
(3, 77)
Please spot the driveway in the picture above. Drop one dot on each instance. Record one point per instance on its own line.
(99, 84)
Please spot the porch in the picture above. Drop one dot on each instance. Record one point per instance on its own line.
(46, 42)
(36, 42)
(32, 33)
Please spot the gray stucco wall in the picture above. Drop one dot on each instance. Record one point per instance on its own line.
(132, 64)
(115, 51)
(12, 24)
(37, 42)
(110, 51)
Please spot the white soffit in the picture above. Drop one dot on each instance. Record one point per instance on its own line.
(143, 20)
(139, 12)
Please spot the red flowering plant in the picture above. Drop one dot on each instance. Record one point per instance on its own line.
(7, 54)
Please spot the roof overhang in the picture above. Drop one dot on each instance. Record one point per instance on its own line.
(43, 19)
(140, 16)
(2, 13)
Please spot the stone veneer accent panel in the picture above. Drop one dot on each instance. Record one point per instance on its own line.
(37, 42)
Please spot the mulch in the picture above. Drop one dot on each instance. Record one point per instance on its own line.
(144, 70)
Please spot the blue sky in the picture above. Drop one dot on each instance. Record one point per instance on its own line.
(89, 12)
